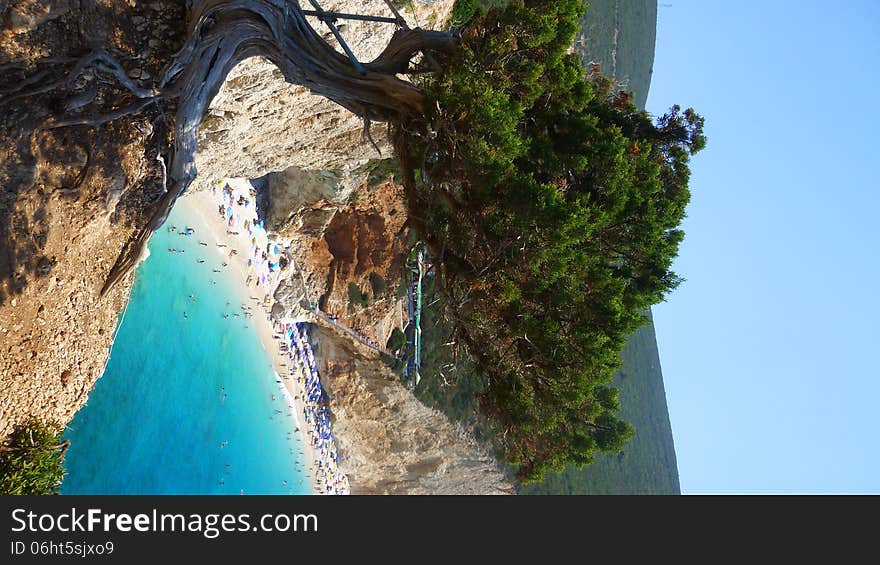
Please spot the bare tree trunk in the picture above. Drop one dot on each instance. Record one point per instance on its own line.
(63, 446)
(219, 35)
(222, 33)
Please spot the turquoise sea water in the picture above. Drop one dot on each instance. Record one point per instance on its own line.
(157, 420)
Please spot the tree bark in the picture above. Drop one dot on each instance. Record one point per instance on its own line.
(222, 33)
(219, 35)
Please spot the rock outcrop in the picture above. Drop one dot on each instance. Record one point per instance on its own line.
(362, 245)
(389, 443)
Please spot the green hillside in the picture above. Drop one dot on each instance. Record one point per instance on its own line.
(630, 61)
(648, 465)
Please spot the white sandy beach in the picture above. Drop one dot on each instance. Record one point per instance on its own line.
(202, 208)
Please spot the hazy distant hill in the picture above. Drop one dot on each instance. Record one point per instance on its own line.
(648, 465)
(620, 34)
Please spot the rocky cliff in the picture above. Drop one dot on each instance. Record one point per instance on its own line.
(70, 198)
(73, 197)
(389, 443)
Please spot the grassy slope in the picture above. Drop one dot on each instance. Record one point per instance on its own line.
(648, 465)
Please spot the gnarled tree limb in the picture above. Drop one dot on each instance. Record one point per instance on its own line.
(222, 33)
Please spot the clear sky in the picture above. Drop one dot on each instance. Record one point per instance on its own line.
(770, 347)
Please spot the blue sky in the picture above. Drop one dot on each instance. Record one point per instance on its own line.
(769, 348)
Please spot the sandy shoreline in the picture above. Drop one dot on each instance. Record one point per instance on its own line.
(202, 208)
